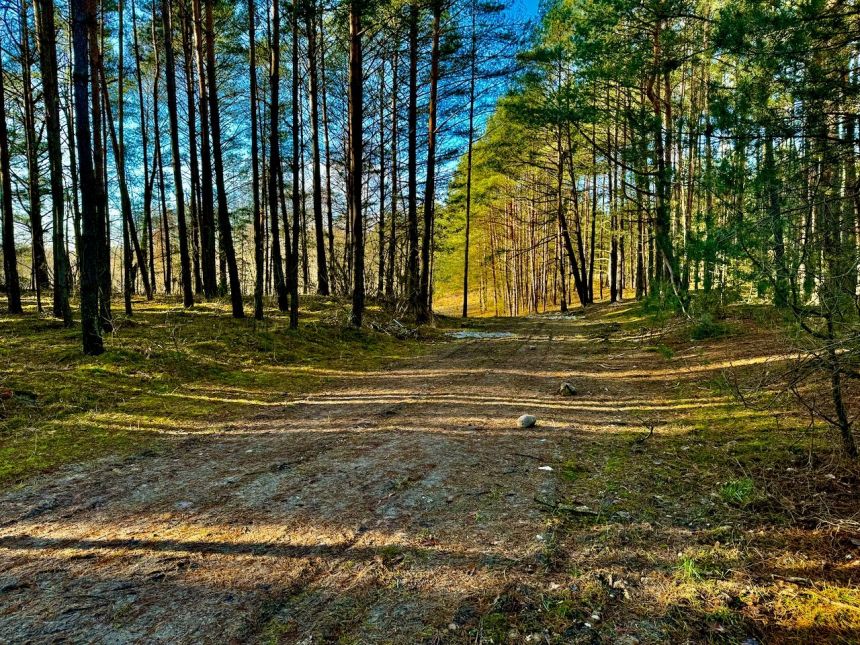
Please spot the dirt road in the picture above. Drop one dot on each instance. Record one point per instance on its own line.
(399, 506)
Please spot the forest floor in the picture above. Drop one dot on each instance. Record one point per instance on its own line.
(383, 492)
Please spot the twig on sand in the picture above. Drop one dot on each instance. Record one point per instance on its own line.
(523, 454)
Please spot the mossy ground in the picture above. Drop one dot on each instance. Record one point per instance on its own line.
(738, 521)
(672, 512)
(166, 370)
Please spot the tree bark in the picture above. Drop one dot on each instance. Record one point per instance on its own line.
(41, 277)
(412, 275)
(473, 54)
(178, 189)
(10, 256)
(424, 308)
(294, 252)
(98, 184)
(207, 206)
(215, 130)
(47, 44)
(275, 155)
(83, 18)
(356, 151)
(322, 267)
(257, 213)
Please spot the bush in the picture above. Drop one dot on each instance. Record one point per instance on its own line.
(707, 327)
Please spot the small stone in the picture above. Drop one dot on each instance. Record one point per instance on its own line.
(184, 505)
(567, 389)
(453, 627)
(527, 421)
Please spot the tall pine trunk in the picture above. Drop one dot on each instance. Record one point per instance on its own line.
(193, 163)
(98, 183)
(47, 44)
(424, 308)
(10, 256)
(322, 267)
(83, 19)
(275, 155)
(255, 164)
(207, 206)
(356, 151)
(41, 278)
(412, 275)
(224, 225)
(293, 256)
(178, 189)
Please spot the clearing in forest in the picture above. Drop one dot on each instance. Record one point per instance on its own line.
(404, 505)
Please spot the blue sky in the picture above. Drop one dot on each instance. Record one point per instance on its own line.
(527, 9)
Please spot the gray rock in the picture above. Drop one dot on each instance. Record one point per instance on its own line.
(526, 421)
(567, 389)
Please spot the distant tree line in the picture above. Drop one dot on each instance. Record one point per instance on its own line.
(690, 151)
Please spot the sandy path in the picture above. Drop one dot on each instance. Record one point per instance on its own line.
(381, 510)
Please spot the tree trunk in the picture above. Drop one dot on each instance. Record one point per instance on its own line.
(83, 21)
(294, 252)
(424, 309)
(356, 150)
(125, 199)
(207, 206)
(178, 189)
(412, 276)
(257, 213)
(10, 256)
(275, 154)
(380, 277)
(47, 42)
(193, 162)
(215, 130)
(147, 179)
(332, 272)
(41, 277)
(392, 228)
(473, 54)
(322, 266)
(98, 184)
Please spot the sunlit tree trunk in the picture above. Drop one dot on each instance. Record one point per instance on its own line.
(178, 189)
(207, 205)
(47, 43)
(224, 224)
(293, 256)
(319, 228)
(10, 256)
(275, 155)
(41, 278)
(98, 184)
(257, 213)
(412, 275)
(356, 151)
